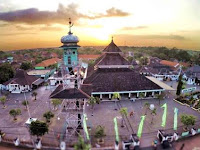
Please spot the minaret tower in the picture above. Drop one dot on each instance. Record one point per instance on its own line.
(70, 49)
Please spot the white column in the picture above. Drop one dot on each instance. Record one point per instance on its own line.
(138, 94)
(153, 93)
(129, 95)
(145, 94)
(109, 96)
(101, 96)
(159, 92)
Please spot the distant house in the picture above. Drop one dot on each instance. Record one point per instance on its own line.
(192, 75)
(9, 59)
(88, 57)
(54, 55)
(43, 74)
(171, 64)
(161, 69)
(21, 82)
(47, 63)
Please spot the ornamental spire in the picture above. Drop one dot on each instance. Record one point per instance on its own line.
(70, 26)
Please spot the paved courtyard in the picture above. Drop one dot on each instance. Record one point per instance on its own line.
(103, 115)
(105, 112)
(37, 108)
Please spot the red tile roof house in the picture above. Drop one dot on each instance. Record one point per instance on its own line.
(47, 63)
(173, 65)
(21, 82)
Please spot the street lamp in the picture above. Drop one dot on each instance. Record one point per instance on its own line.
(151, 107)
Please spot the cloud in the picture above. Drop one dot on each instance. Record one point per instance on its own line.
(134, 28)
(4, 25)
(35, 16)
(19, 33)
(42, 28)
(169, 37)
(173, 37)
(51, 28)
(113, 12)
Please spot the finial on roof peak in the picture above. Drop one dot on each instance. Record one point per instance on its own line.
(112, 39)
(70, 26)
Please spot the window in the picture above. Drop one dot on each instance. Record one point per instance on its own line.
(69, 60)
(74, 52)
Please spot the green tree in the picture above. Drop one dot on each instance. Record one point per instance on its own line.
(15, 113)
(6, 72)
(146, 104)
(25, 103)
(183, 56)
(92, 101)
(48, 115)
(34, 94)
(26, 65)
(180, 84)
(81, 144)
(38, 128)
(143, 61)
(3, 101)
(116, 96)
(56, 102)
(160, 97)
(142, 95)
(99, 133)
(124, 113)
(188, 120)
(153, 113)
(46, 84)
(130, 58)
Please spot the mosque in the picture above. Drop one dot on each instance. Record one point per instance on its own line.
(110, 73)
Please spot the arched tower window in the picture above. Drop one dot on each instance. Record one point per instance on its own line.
(69, 60)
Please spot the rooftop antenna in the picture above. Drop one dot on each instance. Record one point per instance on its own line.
(70, 26)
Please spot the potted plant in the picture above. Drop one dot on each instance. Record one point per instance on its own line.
(187, 120)
(25, 103)
(99, 134)
(14, 113)
(48, 115)
(3, 101)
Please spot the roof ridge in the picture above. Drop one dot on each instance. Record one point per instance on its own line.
(57, 91)
(104, 55)
(83, 93)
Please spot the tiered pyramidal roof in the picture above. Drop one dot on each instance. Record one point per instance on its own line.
(113, 73)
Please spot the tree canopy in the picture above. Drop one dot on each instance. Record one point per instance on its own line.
(6, 72)
(26, 65)
(38, 128)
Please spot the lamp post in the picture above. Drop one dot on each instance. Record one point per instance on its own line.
(151, 107)
(27, 105)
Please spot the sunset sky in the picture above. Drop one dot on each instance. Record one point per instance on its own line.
(41, 23)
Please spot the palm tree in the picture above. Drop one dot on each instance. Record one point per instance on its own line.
(141, 96)
(153, 113)
(46, 84)
(3, 101)
(15, 113)
(25, 103)
(123, 111)
(48, 115)
(160, 97)
(34, 94)
(116, 97)
(146, 104)
(55, 103)
(92, 101)
(81, 145)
